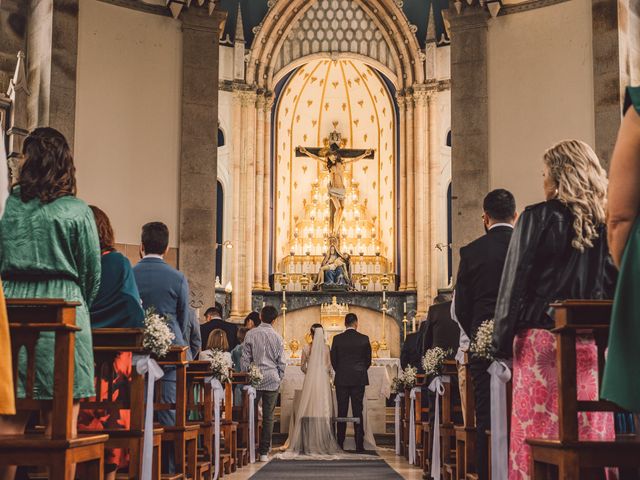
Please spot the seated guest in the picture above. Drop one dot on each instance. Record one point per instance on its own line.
(478, 282)
(49, 248)
(236, 353)
(213, 321)
(193, 335)
(410, 354)
(217, 341)
(621, 382)
(165, 289)
(117, 305)
(252, 320)
(558, 251)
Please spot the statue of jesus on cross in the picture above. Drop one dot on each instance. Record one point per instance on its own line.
(334, 158)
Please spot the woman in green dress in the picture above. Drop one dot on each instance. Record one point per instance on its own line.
(49, 248)
(621, 383)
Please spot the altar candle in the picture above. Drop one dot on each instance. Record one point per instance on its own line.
(284, 295)
(264, 304)
(384, 295)
(413, 324)
(405, 307)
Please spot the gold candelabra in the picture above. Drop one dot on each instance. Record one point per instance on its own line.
(404, 325)
(383, 342)
(284, 280)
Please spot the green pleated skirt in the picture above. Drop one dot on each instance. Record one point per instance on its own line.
(621, 383)
(83, 385)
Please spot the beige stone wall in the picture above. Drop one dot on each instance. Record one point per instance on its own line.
(128, 116)
(369, 323)
(540, 85)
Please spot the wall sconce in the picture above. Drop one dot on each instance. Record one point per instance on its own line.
(225, 244)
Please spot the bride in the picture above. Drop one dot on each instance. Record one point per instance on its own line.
(310, 431)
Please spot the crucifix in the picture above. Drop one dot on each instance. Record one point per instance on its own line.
(334, 158)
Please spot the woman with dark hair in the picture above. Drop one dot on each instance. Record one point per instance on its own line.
(117, 305)
(252, 320)
(49, 248)
(558, 251)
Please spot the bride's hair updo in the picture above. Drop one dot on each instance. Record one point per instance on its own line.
(313, 328)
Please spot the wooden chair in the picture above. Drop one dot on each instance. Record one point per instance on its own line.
(28, 318)
(108, 343)
(570, 455)
(466, 433)
(183, 436)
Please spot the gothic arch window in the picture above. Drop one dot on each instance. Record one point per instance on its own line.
(219, 225)
(449, 234)
(221, 138)
(449, 138)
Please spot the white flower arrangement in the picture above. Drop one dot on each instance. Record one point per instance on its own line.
(157, 337)
(433, 360)
(220, 365)
(481, 346)
(409, 377)
(397, 385)
(255, 375)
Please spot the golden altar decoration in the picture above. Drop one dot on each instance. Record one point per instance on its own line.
(332, 318)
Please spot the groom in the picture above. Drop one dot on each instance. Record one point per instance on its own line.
(351, 358)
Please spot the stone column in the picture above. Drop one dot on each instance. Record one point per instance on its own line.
(403, 193)
(410, 205)
(266, 192)
(259, 189)
(52, 55)
(469, 123)
(249, 181)
(421, 214)
(198, 152)
(236, 121)
(436, 203)
(609, 78)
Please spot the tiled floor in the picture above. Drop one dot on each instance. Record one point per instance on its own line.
(399, 464)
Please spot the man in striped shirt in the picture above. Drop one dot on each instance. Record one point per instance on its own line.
(264, 347)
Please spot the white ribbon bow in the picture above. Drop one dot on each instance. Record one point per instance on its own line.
(251, 393)
(399, 398)
(437, 386)
(218, 391)
(412, 425)
(500, 375)
(145, 365)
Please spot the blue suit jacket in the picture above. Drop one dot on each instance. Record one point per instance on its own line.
(165, 288)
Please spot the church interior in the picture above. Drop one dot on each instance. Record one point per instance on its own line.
(322, 158)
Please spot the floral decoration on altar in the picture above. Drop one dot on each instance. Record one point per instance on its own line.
(157, 337)
(433, 360)
(481, 346)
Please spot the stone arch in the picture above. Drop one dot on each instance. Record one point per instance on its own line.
(283, 17)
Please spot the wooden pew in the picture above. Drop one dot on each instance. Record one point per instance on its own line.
(229, 429)
(28, 318)
(568, 453)
(466, 433)
(240, 415)
(406, 417)
(108, 343)
(183, 436)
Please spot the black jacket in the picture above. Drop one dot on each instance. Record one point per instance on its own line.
(542, 267)
(351, 358)
(441, 330)
(229, 328)
(478, 280)
(410, 353)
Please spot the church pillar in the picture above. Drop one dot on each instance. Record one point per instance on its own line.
(236, 119)
(410, 205)
(259, 188)
(609, 74)
(52, 55)
(403, 193)
(266, 191)
(249, 194)
(469, 123)
(198, 152)
(436, 203)
(421, 215)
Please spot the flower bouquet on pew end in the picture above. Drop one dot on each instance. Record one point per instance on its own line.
(409, 377)
(220, 365)
(397, 385)
(433, 360)
(255, 375)
(157, 337)
(481, 346)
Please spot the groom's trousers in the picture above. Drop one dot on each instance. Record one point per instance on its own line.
(355, 394)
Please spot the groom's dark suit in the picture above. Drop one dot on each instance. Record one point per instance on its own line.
(351, 358)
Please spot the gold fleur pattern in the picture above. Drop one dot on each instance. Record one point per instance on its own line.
(350, 97)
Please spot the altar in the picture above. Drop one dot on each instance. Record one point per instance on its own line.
(376, 394)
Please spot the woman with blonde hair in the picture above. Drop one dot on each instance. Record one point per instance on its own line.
(558, 251)
(217, 341)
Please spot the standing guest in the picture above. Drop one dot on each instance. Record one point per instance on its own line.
(213, 320)
(621, 382)
(478, 282)
(558, 251)
(252, 320)
(193, 335)
(410, 353)
(49, 248)
(264, 347)
(236, 353)
(117, 305)
(166, 290)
